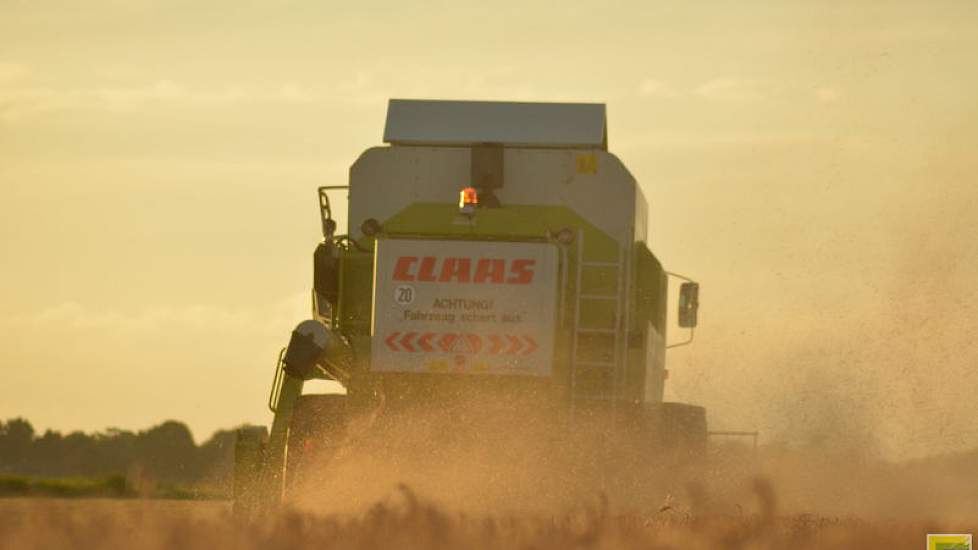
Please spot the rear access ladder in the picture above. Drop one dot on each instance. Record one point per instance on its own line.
(597, 373)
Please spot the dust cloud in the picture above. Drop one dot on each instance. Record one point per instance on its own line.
(872, 353)
(535, 465)
(481, 456)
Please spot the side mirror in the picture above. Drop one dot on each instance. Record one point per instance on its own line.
(689, 304)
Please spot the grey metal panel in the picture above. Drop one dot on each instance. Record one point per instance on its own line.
(385, 180)
(464, 123)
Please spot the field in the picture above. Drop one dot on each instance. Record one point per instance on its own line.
(406, 522)
(418, 486)
(772, 500)
(513, 481)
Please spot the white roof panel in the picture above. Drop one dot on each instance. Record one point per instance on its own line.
(464, 123)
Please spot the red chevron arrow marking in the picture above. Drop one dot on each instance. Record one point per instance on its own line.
(475, 343)
(514, 344)
(446, 341)
(425, 341)
(406, 341)
(531, 345)
(497, 344)
(390, 341)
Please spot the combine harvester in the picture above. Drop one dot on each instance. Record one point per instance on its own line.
(494, 249)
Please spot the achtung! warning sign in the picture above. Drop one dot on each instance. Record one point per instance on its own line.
(464, 307)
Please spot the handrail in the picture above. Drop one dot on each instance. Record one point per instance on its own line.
(326, 211)
(276, 392)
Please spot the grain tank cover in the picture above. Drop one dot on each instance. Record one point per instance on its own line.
(468, 123)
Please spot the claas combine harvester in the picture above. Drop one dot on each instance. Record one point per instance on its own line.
(494, 250)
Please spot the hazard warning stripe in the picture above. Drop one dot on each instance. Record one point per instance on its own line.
(497, 344)
(425, 342)
(467, 343)
(390, 341)
(514, 344)
(446, 341)
(406, 341)
(475, 342)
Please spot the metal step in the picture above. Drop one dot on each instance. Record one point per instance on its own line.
(594, 364)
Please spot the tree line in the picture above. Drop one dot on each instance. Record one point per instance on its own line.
(165, 453)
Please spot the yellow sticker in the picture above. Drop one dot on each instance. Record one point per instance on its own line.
(587, 164)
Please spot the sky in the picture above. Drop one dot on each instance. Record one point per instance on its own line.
(812, 164)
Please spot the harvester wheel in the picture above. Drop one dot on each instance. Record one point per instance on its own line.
(318, 425)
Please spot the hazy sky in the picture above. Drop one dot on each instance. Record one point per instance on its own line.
(813, 164)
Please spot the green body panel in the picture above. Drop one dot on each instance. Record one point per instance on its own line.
(646, 283)
(512, 222)
(650, 291)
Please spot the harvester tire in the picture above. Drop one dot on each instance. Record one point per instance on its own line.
(317, 426)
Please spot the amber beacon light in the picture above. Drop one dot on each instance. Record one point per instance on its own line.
(468, 199)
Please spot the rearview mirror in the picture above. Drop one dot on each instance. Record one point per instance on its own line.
(689, 304)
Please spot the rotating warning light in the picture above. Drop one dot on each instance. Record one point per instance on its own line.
(468, 199)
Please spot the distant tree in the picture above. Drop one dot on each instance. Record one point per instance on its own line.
(115, 450)
(16, 441)
(47, 456)
(166, 452)
(216, 458)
